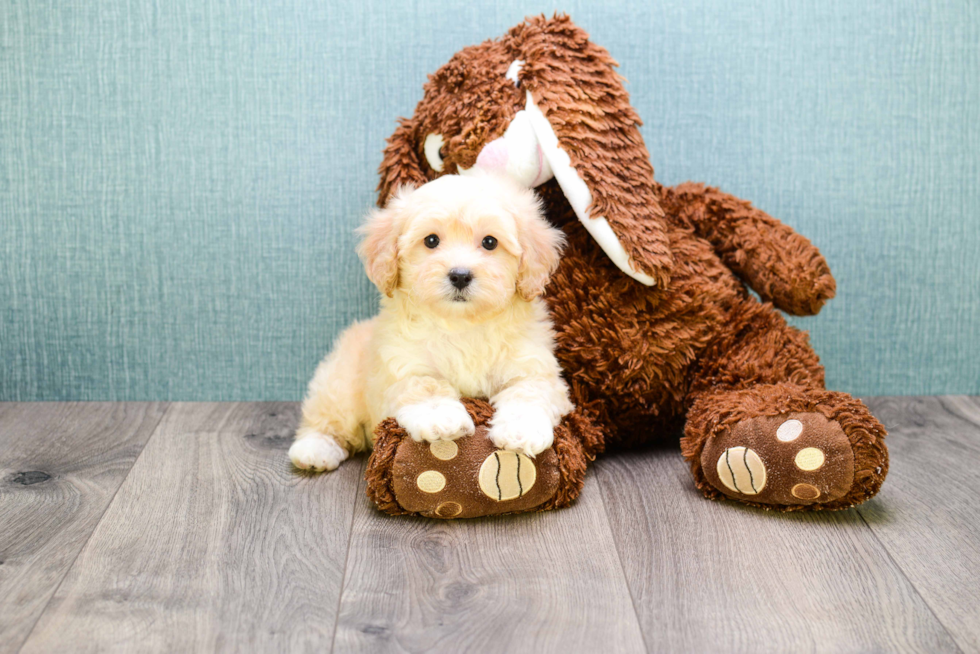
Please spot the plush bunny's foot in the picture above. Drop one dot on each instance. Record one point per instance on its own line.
(470, 476)
(785, 447)
(793, 458)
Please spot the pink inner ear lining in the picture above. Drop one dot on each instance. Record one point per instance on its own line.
(493, 156)
(537, 180)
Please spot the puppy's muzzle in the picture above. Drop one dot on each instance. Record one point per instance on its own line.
(460, 278)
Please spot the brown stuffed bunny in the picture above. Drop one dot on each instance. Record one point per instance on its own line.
(654, 322)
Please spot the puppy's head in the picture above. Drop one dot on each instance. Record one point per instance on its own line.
(461, 246)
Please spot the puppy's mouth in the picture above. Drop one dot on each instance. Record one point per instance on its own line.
(459, 296)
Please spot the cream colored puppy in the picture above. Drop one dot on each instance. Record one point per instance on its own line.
(461, 263)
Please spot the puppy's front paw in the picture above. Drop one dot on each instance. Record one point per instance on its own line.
(317, 453)
(522, 428)
(438, 419)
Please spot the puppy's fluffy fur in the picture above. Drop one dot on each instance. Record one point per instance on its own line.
(433, 342)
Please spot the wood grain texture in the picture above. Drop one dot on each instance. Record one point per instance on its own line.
(719, 576)
(60, 465)
(540, 582)
(213, 543)
(927, 516)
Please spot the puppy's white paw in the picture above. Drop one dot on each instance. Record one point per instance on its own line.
(438, 419)
(522, 428)
(317, 453)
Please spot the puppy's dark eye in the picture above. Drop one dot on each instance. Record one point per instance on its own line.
(431, 241)
(489, 243)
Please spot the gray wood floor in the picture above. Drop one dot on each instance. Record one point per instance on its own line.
(182, 527)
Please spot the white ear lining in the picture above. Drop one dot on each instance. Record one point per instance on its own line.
(514, 70)
(578, 194)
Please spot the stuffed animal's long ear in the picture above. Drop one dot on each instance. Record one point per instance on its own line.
(590, 135)
(400, 165)
(379, 248)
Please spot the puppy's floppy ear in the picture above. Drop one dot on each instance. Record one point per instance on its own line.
(589, 132)
(379, 248)
(400, 165)
(541, 245)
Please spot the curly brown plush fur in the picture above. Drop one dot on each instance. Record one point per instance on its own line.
(639, 358)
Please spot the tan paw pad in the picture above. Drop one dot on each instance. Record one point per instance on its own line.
(809, 459)
(742, 471)
(449, 510)
(507, 475)
(806, 492)
(444, 450)
(431, 481)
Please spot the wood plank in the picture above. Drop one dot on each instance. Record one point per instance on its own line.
(928, 515)
(720, 576)
(212, 543)
(60, 465)
(540, 582)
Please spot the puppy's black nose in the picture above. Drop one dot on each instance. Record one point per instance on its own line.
(460, 278)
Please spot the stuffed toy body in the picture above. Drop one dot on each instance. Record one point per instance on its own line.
(655, 324)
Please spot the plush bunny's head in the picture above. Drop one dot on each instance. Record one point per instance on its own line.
(542, 102)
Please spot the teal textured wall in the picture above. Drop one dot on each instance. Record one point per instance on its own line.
(179, 179)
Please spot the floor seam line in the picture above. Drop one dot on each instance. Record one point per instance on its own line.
(619, 558)
(88, 539)
(343, 580)
(915, 588)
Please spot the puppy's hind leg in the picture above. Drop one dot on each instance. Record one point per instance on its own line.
(334, 411)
